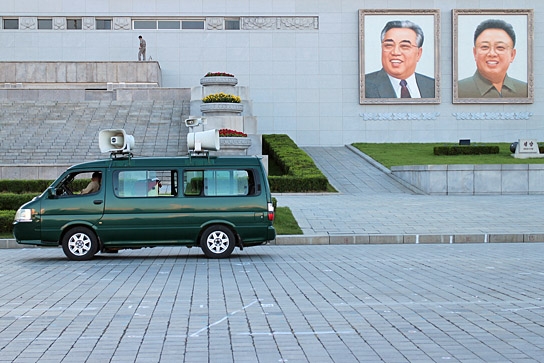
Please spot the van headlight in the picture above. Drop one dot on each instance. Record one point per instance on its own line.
(23, 215)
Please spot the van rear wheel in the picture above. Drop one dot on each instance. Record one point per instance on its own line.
(80, 244)
(217, 241)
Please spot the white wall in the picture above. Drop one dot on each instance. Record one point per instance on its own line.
(303, 82)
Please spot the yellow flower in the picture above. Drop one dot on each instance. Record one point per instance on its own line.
(221, 97)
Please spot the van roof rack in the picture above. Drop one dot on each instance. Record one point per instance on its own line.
(121, 154)
(199, 154)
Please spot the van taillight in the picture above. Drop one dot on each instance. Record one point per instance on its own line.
(270, 212)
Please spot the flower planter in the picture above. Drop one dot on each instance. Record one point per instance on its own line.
(234, 145)
(221, 108)
(218, 80)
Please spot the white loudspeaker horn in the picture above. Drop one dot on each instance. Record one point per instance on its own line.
(115, 140)
(204, 140)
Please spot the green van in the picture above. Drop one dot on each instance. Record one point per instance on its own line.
(215, 202)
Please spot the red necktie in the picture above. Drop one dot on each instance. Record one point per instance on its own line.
(404, 93)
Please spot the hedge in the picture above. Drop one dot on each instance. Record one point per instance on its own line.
(283, 184)
(465, 150)
(24, 186)
(35, 186)
(300, 172)
(6, 221)
(12, 201)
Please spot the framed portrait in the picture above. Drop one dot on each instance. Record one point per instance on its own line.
(493, 56)
(399, 56)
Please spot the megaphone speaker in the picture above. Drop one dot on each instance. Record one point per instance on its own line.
(204, 140)
(115, 140)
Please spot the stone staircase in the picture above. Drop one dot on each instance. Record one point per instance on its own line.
(52, 133)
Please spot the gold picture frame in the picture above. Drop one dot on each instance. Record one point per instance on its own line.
(473, 81)
(376, 82)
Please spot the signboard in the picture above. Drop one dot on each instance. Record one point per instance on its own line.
(528, 146)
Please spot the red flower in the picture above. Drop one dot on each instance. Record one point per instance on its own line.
(231, 133)
(218, 74)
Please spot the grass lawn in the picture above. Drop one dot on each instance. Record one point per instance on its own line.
(422, 154)
(284, 222)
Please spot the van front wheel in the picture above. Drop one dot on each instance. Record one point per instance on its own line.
(80, 244)
(217, 242)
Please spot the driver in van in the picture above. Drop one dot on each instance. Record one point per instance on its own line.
(94, 185)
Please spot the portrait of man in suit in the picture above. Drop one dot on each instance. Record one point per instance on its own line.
(401, 50)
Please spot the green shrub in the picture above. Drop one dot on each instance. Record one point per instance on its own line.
(36, 186)
(12, 201)
(300, 172)
(465, 150)
(24, 186)
(6, 221)
(282, 184)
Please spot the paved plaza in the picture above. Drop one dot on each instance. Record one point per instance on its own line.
(338, 303)
(372, 203)
(434, 301)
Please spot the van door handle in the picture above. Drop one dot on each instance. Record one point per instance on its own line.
(97, 201)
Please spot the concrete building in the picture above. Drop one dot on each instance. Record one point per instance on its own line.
(302, 61)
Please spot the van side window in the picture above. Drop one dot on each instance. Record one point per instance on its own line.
(193, 182)
(80, 183)
(219, 182)
(145, 183)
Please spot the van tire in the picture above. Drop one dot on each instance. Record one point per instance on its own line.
(217, 241)
(80, 244)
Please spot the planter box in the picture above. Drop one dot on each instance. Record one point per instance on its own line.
(221, 108)
(234, 145)
(219, 80)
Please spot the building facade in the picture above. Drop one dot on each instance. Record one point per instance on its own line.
(303, 61)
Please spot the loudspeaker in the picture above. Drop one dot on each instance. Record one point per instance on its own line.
(115, 140)
(195, 121)
(204, 140)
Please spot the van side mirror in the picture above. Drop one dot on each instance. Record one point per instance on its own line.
(52, 193)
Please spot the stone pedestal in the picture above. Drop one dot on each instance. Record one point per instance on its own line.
(234, 116)
(234, 145)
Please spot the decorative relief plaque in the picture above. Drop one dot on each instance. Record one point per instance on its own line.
(393, 116)
(492, 115)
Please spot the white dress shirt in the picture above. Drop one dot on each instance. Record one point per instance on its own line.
(411, 85)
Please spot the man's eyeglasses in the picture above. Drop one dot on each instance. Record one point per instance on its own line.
(500, 48)
(404, 47)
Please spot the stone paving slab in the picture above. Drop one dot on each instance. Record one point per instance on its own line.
(334, 303)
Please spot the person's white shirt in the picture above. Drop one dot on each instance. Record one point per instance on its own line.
(411, 84)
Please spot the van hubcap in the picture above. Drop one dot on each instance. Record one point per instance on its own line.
(218, 242)
(79, 244)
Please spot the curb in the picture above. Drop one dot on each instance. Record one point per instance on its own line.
(375, 239)
(408, 239)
